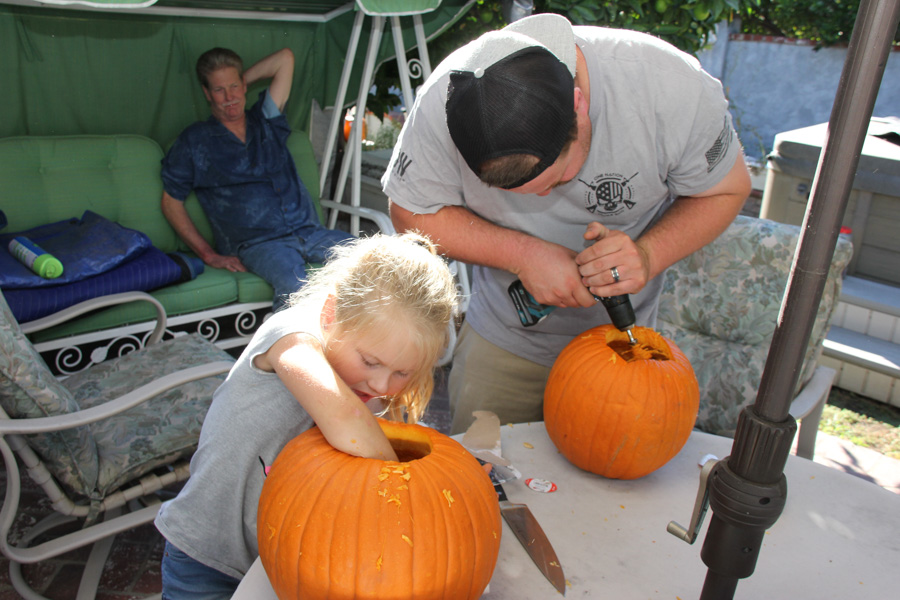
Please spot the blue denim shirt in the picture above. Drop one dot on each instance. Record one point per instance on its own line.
(249, 191)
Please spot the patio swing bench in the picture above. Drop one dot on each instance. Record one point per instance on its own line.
(53, 178)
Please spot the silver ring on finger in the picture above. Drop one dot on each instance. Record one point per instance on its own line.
(615, 274)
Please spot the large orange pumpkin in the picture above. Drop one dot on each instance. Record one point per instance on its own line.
(335, 526)
(618, 410)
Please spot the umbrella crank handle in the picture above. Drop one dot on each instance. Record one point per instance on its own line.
(690, 534)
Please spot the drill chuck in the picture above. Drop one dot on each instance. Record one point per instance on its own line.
(621, 313)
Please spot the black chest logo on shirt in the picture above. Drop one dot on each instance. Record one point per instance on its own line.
(609, 194)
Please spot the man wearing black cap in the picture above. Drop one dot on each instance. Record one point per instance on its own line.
(580, 160)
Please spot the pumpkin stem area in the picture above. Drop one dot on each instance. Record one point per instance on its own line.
(650, 346)
(407, 443)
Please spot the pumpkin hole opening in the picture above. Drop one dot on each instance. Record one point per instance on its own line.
(409, 445)
(638, 352)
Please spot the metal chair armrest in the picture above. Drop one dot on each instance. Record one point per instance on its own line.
(122, 403)
(100, 302)
(380, 219)
(808, 406)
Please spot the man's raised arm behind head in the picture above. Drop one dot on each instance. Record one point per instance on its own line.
(279, 67)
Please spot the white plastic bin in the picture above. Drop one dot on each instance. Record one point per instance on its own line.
(873, 211)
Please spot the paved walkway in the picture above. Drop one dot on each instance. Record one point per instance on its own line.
(862, 462)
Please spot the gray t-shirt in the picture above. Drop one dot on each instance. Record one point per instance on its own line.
(661, 129)
(252, 417)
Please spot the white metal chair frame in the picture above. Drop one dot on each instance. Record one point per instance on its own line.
(124, 509)
(352, 160)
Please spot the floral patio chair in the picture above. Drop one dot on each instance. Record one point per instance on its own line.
(100, 443)
(720, 306)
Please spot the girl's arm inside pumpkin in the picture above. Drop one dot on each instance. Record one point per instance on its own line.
(345, 421)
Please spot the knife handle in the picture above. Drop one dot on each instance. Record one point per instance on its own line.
(501, 495)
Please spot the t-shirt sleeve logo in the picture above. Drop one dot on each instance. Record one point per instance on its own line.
(401, 164)
(719, 148)
(609, 194)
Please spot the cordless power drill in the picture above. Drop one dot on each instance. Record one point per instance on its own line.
(531, 312)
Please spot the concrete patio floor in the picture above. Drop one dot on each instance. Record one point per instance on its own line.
(856, 460)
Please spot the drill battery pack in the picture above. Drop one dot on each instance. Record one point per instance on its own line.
(530, 311)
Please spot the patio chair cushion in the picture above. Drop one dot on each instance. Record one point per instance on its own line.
(156, 432)
(28, 390)
(720, 305)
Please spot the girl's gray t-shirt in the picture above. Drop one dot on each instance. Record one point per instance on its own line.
(252, 417)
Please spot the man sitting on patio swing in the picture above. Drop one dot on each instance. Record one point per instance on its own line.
(237, 162)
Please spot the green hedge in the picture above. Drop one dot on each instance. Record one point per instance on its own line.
(826, 22)
(685, 23)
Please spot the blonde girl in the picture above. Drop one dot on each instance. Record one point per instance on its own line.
(365, 330)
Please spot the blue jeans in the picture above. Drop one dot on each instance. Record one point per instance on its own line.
(183, 578)
(282, 261)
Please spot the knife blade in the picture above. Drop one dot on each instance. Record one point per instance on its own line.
(527, 530)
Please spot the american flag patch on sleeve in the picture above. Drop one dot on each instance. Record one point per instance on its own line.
(719, 148)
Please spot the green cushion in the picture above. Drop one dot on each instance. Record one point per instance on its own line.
(252, 288)
(305, 160)
(214, 287)
(49, 179)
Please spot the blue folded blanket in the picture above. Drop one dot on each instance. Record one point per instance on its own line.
(152, 269)
(86, 247)
(99, 257)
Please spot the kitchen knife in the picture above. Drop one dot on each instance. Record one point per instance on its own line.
(529, 533)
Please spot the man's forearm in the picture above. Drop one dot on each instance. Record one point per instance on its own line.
(687, 226)
(694, 221)
(181, 222)
(279, 67)
(462, 235)
(177, 216)
(269, 66)
(546, 269)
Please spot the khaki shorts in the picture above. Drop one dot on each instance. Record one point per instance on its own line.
(487, 377)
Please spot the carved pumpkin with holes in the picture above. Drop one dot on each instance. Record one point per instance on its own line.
(335, 526)
(618, 410)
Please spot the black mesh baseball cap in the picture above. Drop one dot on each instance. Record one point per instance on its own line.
(514, 94)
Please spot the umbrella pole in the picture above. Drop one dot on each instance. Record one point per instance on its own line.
(747, 491)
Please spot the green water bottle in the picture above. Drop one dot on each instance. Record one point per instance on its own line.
(35, 258)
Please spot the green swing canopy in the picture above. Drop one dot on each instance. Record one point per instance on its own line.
(81, 67)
